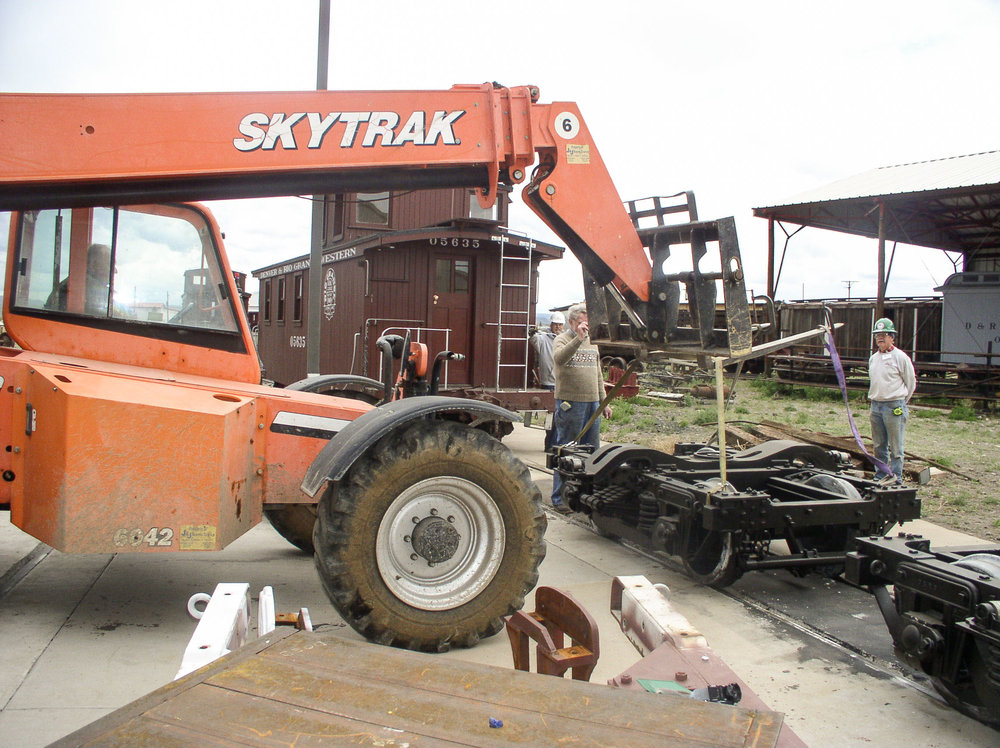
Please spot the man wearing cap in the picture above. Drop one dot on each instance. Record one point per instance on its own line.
(541, 343)
(892, 382)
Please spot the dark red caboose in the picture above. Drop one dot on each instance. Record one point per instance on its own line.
(429, 261)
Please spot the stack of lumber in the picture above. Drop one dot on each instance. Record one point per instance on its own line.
(742, 435)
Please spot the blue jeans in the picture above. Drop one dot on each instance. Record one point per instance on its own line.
(887, 434)
(568, 423)
(550, 434)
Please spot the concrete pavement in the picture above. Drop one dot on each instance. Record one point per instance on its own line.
(86, 634)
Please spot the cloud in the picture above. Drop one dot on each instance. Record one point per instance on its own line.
(745, 103)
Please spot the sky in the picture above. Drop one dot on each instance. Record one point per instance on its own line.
(746, 103)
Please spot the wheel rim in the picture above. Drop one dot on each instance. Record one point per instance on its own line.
(440, 543)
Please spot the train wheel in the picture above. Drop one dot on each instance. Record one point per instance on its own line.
(709, 557)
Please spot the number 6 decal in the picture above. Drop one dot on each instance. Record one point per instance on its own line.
(567, 125)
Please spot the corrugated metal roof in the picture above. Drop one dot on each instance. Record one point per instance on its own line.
(957, 172)
(950, 203)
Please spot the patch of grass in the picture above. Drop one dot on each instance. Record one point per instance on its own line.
(646, 423)
(775, 389)
(929, 413)
(637, 400)
(945, 461)
(704, 417)
(962, 412)
(959, 502)
(741, 409)
(770, 387)
(821, 394)
(622, 411)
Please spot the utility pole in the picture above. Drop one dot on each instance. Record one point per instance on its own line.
(318, 213)
(849, 284)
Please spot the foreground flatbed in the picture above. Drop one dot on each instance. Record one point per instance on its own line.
(307, 688)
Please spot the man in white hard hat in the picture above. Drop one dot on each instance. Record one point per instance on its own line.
(541, 343)
(892, 383)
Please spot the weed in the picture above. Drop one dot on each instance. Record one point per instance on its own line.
(770, 387)
(821, 394)
(945, 461)
(962, 412)
(622, 411)
(705, 416)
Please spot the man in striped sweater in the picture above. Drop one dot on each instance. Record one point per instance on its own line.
(579, 389)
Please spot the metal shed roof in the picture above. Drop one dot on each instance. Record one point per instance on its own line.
(950, 204)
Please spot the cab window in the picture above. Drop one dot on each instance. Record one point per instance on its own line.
(140, 265)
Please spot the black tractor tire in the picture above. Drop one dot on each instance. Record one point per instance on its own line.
(294, 523)
(431, 538)
(328, 385)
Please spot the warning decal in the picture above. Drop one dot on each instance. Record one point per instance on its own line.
(197, 537)
(577, 153)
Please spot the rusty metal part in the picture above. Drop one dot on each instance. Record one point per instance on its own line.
(676, 657)
(708, 390)
(301, 620)
(557, 614)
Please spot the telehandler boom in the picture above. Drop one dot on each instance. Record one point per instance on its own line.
(133, 414)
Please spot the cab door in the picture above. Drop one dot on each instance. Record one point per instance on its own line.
(450, 308)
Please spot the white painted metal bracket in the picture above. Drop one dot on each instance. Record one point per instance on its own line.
(224, 625)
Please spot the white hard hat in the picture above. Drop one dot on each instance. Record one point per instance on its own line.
(557, 318)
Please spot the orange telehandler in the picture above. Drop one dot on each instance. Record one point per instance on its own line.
(134, 418)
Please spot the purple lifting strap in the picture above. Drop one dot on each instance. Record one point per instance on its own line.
(839, 369)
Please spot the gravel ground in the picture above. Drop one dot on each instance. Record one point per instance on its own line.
(955, 436)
